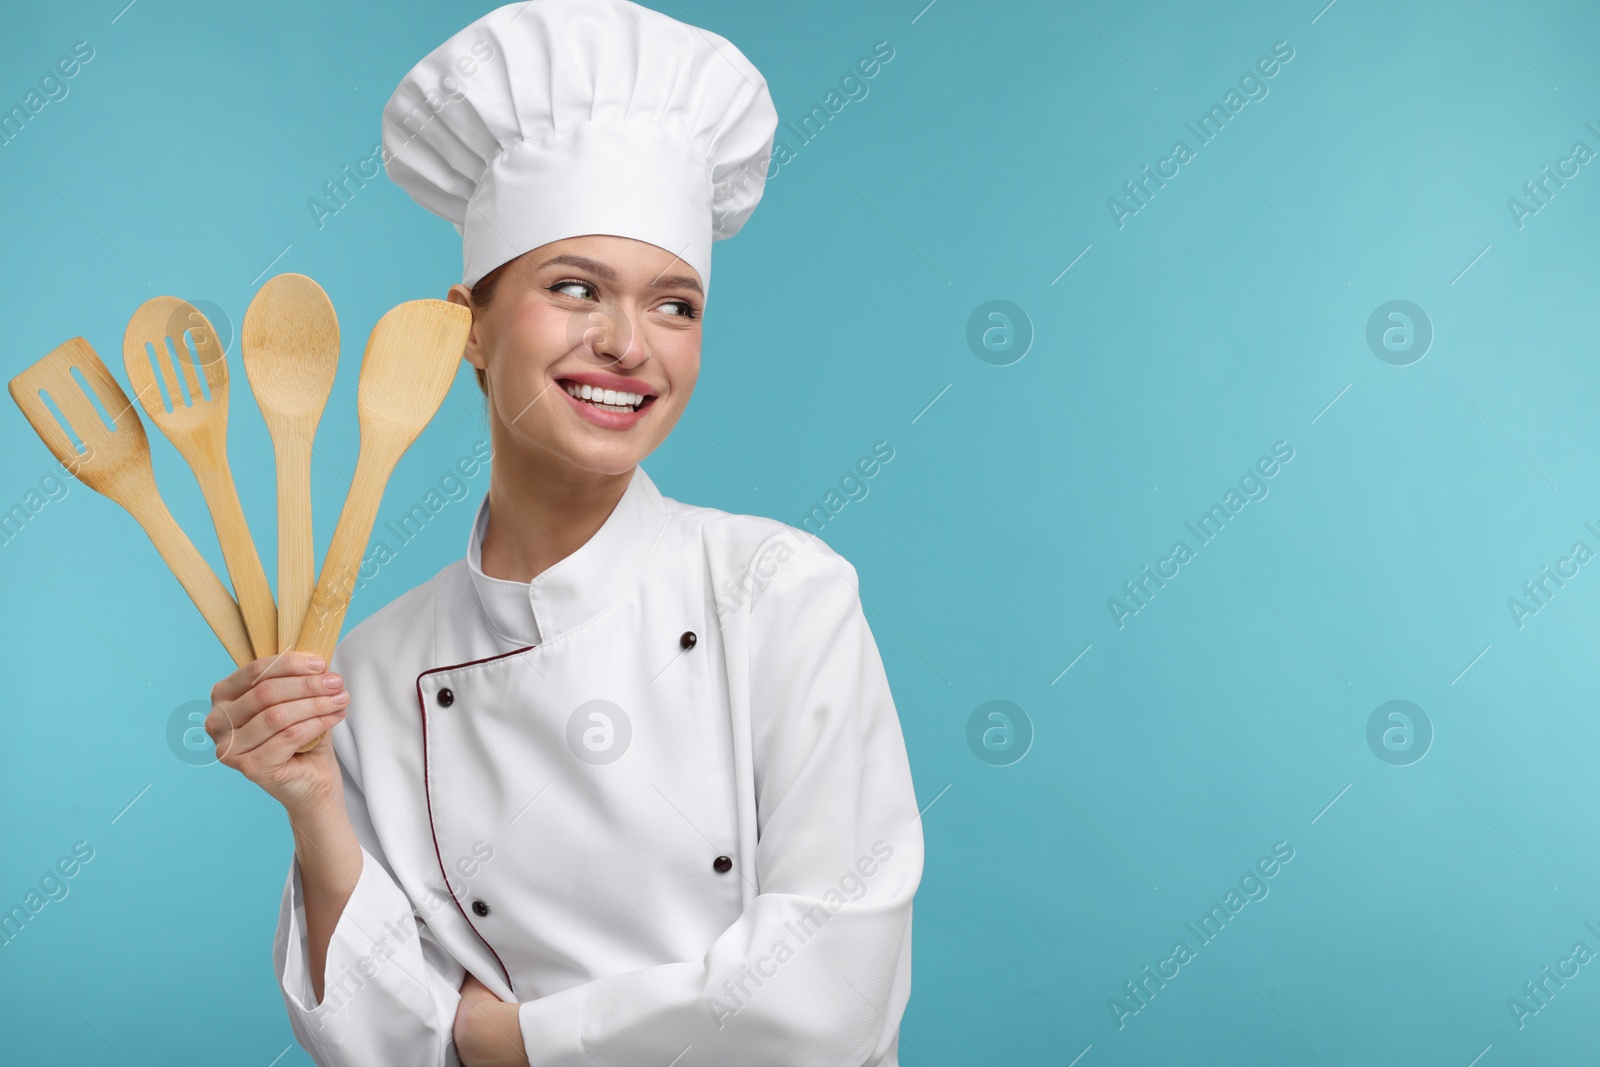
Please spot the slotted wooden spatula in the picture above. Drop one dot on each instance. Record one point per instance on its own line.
(198, 428)
(116, 464)
(411, 359)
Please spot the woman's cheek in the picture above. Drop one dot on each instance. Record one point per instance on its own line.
(681, 356)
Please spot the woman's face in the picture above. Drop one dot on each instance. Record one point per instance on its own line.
(602, 312)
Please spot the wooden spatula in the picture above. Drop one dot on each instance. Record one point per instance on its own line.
(116, 463)
(410, 361)
(198, 428)
(290, 346)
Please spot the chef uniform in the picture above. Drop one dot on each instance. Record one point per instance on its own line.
(659, 795)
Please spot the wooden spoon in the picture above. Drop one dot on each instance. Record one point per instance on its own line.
(410, 361)
(290, 345)
(198, 428)
(116, 464)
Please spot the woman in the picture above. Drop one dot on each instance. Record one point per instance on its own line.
(626, 784)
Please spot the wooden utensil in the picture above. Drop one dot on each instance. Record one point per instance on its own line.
(290, 347)
(409, 363)
(198, 428)
(116, 464)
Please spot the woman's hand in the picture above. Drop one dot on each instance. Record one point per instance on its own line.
(260, 714)
(488, 1032)
(268, 708)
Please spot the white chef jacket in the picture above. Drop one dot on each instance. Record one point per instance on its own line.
(734, 887)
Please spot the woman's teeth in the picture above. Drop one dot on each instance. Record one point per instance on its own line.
(606, 399)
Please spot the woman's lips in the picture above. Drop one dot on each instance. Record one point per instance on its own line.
(610, 420)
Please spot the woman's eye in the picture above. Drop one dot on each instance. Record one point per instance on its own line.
(680, 307)
(583, 289)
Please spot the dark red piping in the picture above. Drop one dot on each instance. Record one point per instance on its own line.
(422, 710)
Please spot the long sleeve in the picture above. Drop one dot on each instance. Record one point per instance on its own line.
(390, 991)
(816, 969)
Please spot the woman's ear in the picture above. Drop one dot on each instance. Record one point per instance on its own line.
(473, 353)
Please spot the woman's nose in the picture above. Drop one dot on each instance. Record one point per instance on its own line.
(615, 338)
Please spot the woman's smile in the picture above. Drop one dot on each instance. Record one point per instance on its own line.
(611, 408)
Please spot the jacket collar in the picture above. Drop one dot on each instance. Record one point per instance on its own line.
(578, 588)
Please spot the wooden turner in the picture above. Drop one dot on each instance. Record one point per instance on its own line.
(410, 361)
(198, 428)
(116, 464)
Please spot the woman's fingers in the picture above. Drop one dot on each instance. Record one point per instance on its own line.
(242, 680)
(242, 714)
(238, 698)
(285, 716)
(280, 748)
(265, 711)
(274, 691)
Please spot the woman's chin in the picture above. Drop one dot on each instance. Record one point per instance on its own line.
(602, 458)
(613, 463)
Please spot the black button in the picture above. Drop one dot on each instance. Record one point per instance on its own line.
(446, 698)
(722, 865)
(478, 906)
(688, 639)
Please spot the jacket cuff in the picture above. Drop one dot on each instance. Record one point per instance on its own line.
(375, 938)
(552, 1029)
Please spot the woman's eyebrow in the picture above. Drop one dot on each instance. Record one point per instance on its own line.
(593, 266)
(601, 270)
(678, 281)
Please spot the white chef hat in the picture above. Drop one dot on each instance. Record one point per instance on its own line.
(556, 118)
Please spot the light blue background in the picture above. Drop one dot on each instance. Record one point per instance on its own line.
(1227, 315)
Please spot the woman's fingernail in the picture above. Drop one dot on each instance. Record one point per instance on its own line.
(332, 681)
(341, 696)
(317, 665)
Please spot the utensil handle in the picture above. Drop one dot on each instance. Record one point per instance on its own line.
(239, 553)
(216, 604)
(296, 557)
(342, 565)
